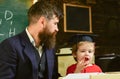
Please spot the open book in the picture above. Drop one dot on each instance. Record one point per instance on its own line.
(80, 75)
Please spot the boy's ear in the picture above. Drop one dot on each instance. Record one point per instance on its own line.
(74, 55)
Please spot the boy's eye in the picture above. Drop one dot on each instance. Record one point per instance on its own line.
(55, 23)
(90, 51)
(82, 51)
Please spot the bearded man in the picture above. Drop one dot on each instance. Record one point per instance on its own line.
(30, 54)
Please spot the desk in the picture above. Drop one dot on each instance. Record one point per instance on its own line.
(99, 76)
(105, 76)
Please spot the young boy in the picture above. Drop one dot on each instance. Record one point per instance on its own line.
(83, 52)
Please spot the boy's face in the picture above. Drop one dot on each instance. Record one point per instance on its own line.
(85, 52)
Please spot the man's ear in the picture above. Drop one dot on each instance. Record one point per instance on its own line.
(42, 20)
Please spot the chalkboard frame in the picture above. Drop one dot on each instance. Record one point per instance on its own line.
(75, 14)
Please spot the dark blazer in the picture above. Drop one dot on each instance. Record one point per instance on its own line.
(18, 60)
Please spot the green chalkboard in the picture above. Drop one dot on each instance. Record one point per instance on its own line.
(13, 17)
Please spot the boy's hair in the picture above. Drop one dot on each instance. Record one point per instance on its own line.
(43, 8)
(76, 46)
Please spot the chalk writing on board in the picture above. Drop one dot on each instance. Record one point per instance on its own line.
(1, 34)
(11, 32)
(13, 17)
(0, 21)
(8, 15)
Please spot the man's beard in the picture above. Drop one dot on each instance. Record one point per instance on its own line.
(48, 39)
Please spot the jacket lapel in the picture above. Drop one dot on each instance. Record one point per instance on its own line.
(50, 62)
(31, 55)
(30, 52)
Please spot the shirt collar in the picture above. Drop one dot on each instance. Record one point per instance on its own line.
(30, 37)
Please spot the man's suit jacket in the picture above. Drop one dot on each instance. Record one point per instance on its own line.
(18, 60)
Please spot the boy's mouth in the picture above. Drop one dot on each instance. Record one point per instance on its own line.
(86, 59)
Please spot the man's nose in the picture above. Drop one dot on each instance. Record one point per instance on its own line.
(56, 29)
